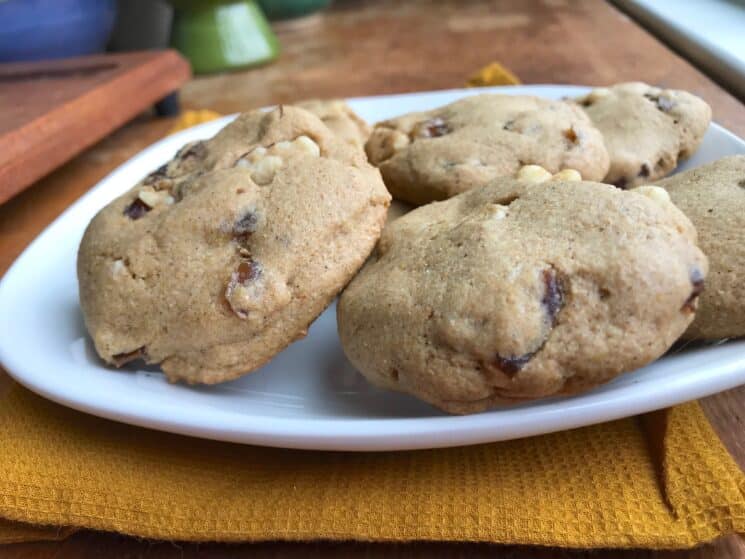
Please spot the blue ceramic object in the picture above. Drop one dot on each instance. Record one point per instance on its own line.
(43, 29)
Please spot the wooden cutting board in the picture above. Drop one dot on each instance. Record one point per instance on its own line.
(52, 110)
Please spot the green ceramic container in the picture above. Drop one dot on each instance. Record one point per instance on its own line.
(218, 35)
(284, 9)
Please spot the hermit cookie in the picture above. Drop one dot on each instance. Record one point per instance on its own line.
(713, 197)
(647, 130)
(522, 290)
(340, 118)
(215, 262)
(437, 154)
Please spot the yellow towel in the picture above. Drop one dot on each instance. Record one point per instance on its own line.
(493, 74)
(660, 481)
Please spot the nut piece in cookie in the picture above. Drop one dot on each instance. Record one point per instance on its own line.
(521, 290)
(265, 162)
(219, 259)
(340, 118)
(713, 198)
(647, 130)
(536, 174)
(437, 154)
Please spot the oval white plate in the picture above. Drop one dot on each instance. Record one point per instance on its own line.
(309, 396)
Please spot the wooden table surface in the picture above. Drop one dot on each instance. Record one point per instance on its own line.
(385, 46)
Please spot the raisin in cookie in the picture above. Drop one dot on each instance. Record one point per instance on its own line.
(340, 118)
(647, 130)
(437, 154)
(522, 290)
(713, 197)
(218, 260)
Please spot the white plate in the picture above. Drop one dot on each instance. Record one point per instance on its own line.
(309, 396)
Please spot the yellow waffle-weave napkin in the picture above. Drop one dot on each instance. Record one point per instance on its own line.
(660, 481)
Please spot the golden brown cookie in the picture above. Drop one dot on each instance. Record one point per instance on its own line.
(340, 118)
(522, 290)
(437, 154)
(647, 130)
(216, 261)
(713, 198)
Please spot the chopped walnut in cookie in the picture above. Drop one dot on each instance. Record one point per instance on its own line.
(118, 267)
(240, 291)
(533, 173)
(252, 287)
(656, 193)
(570, 175)
(537, 174)
(264, 162)
(432, 128)
(155, 198)
(497, 211)
(663, 103)
(147, 199)
(594, 96)
(388, 141)
(159, 178)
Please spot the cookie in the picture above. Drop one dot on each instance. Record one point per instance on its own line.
(522, 290)
(218, 260)
(437, 154)
(713, 198)
(340, 118)
(647, 130)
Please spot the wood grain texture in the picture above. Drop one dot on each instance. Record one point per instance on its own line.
(376, 47)
(385, 46)
(51, 111)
